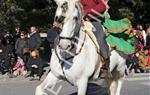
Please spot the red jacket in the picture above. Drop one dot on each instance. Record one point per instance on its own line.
(97, 5)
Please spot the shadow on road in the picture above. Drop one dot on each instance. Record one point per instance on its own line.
(94, 89)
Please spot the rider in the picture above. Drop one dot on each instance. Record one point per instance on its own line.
(100, 6)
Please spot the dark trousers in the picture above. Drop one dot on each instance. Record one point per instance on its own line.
(5, 65)
(134, 66)
(36, 71)
(101, 38)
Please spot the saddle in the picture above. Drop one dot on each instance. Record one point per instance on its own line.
(88, 27)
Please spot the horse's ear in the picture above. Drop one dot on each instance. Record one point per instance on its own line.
(58, 1)
(77, 0)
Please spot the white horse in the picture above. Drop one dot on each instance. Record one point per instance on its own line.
(84, 59)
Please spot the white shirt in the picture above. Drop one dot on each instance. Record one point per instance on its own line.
(144, 36)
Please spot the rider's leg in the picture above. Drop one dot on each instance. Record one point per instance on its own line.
(104, 48)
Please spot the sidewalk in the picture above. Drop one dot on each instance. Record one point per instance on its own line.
(5, 78)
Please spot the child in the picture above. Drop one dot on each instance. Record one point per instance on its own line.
(19, 67)
(35, 65)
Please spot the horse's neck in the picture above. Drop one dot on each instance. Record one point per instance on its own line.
(88, 43)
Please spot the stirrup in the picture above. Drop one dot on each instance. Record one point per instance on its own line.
(109, 75)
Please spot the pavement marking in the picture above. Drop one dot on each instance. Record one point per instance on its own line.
(137, 78)
(147, 84)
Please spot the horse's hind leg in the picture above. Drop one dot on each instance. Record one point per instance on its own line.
(50, 80)
(120, 82)
(113, 87)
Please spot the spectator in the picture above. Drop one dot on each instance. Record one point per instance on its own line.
(135, 63)
(19, 67)
(148, 60)
(148, 38)
(35, 65)
(1, 37)
(9, 44)
(16, 35)
(2, 41)
(22, 45)
(148, 45)
(2, 48)
(4, 63)
(52, 34)
(142, 31)
(139, 42)
(34, 39)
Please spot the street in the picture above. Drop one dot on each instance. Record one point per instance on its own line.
(138, 84)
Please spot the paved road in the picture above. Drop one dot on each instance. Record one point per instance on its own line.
(138, 84)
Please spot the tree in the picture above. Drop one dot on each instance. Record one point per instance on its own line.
(9, 10)
(41, 12)
(25, 13)
(136, 10)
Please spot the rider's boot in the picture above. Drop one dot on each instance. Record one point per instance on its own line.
(105, 70)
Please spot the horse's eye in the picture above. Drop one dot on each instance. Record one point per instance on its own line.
(64, 7)
(76, 18)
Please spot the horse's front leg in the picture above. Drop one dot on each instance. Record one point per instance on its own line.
(50, 80)
(82, 85)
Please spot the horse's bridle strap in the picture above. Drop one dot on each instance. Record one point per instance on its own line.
(67, 38)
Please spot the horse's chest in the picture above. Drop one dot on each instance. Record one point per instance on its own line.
(65, 71)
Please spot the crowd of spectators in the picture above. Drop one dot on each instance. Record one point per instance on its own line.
(139, 61)
(19, 51)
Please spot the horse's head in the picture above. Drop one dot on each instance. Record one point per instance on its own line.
(69, 14)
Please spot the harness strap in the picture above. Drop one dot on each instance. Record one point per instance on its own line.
(61, 61)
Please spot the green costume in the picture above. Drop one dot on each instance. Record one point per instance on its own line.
(119, 34)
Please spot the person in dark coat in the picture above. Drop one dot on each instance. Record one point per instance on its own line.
(3, 50)
(2, 39)
(5, 65)
(35, 65)
(21, 44)
(9, 44)
(139, 41)
(34, 39)
(148, 38)
(16, 34)
(52, 34)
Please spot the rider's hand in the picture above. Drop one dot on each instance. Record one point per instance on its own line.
(1, 50)
(85, 18)
(34, 66)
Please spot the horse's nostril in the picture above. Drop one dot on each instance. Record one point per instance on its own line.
(59, 46)
(69, 45)
(61, 19)
(56, 18)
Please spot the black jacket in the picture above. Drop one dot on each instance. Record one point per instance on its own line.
(3, 51)
(148, 42)
(52, 34)
(35, 61)
(34, 41)
(20, 45)
(2, 40)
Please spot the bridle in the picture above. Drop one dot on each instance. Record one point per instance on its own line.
(72, 39)
(75, 35)
(78, 22)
